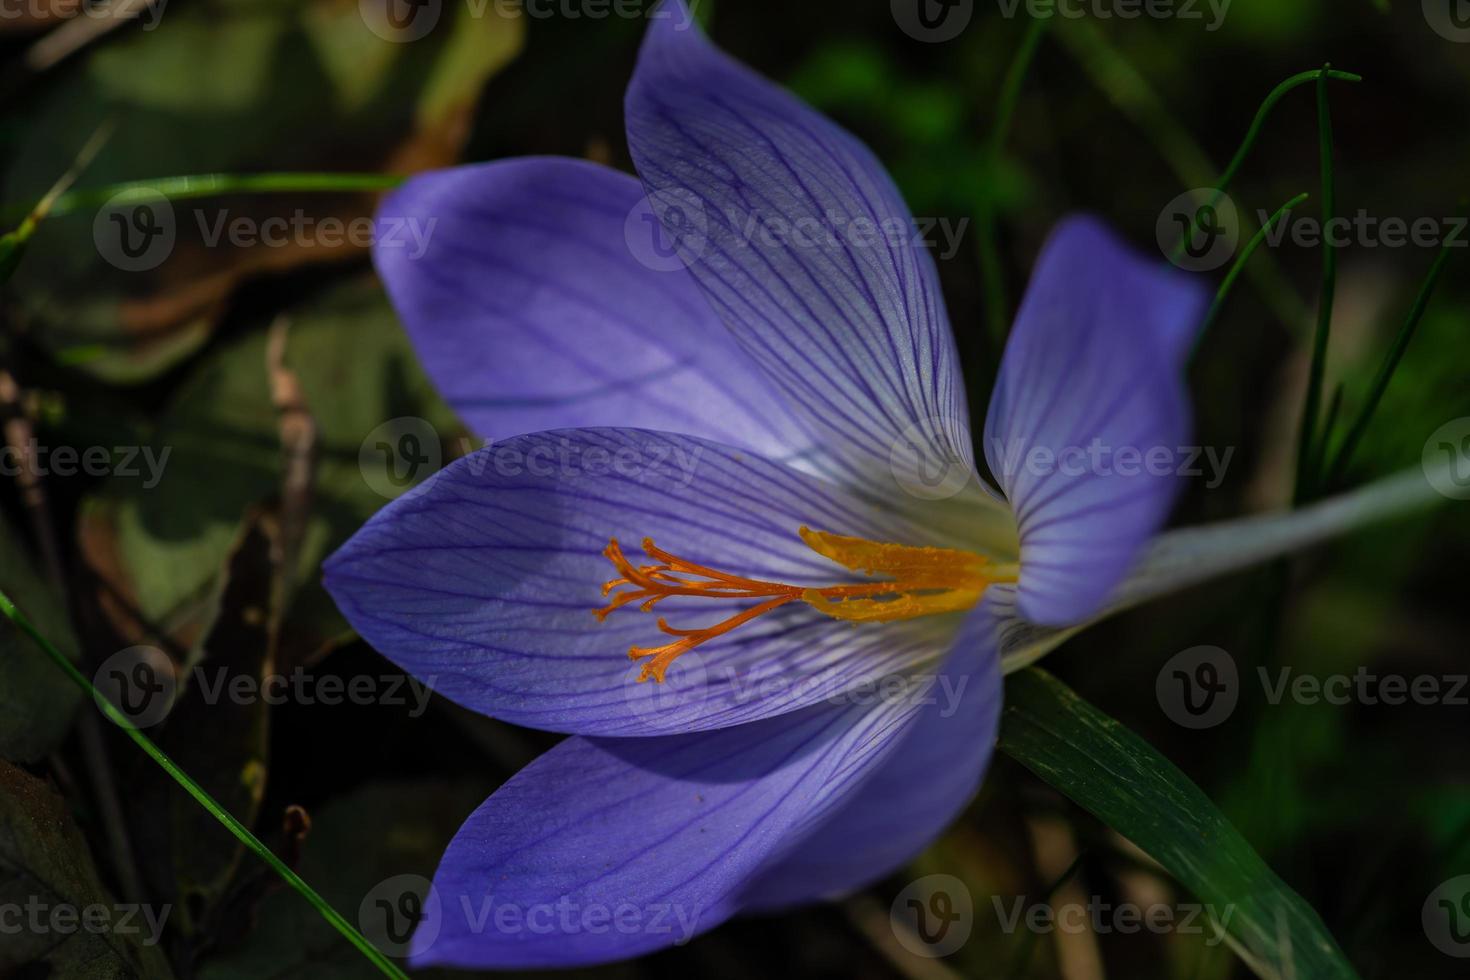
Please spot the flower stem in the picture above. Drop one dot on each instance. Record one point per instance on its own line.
(384, 965)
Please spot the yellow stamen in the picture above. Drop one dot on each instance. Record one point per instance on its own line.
(920, 581)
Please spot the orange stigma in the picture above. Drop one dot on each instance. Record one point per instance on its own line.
(920, 581)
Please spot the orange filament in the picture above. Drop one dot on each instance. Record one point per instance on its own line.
(920, 581)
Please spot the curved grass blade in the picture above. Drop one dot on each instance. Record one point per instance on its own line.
(1125, 783)
(1131, 93)
(1263, 113)
(1223, 293)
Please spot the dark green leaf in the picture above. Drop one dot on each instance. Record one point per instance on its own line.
(1125, 783)
(227, 86)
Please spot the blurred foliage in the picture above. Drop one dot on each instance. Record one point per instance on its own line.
(235, 86)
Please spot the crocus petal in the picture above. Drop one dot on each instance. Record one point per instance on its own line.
(482, 583)
(1089, 417)
(805, 248)
(914, 795)
(603, 849)
(528, 308)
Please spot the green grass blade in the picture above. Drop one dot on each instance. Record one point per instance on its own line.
(1223, 293)
(1264, 112)
(1130, 787)
(997, 305)
(1232, 170)
(1389, 366)
(1133, 96)
(1309, 441)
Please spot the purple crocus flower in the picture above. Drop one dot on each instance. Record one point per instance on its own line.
(758, 418)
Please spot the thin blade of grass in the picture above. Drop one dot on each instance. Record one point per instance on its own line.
(1387, 369)
(1223, 293)
(997, 304)
(1308, 446)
